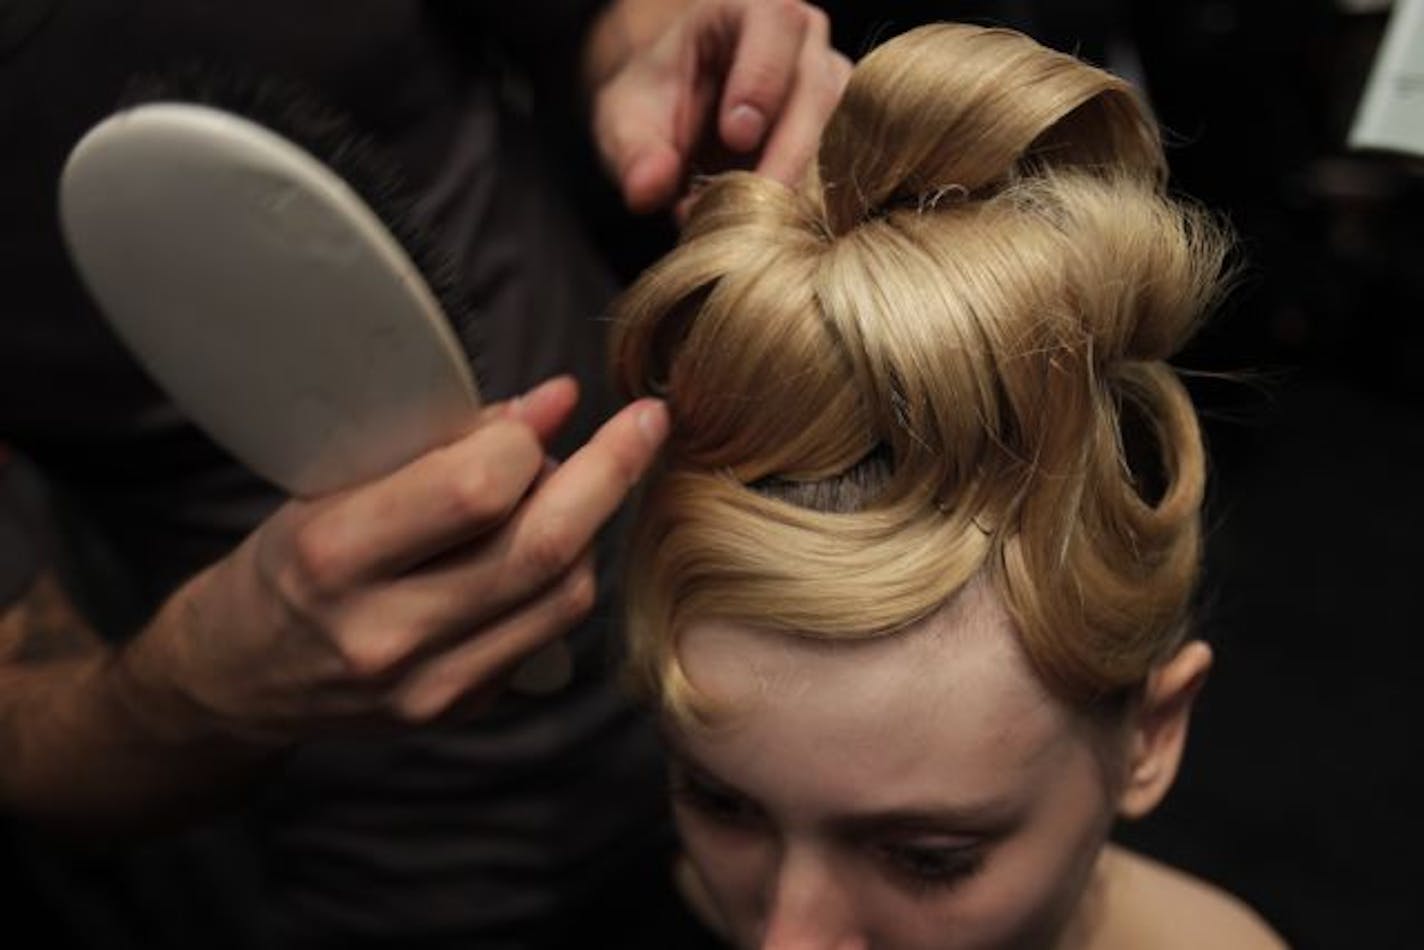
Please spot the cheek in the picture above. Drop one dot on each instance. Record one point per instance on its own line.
(1035, 882)
(1028, 895)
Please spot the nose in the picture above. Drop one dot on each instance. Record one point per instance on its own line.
(809, 908)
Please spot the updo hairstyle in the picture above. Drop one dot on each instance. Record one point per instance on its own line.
(920, 367)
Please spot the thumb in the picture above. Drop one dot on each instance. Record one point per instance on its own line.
(634, 126)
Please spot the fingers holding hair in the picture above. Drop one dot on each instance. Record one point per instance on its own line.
(446, 497)
(770, 36)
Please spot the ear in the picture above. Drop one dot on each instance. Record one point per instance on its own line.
(1158, 729)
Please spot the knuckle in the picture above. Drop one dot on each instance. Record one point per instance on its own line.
(518, 442)
(503, 465)
(314, 568)
(817, 21)
(762, 79)
(550, 549)
(474, 492)
(579, 593)
(286, 584)
(419, 707)
(372, 657)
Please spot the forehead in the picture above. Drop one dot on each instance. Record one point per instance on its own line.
(948, 705)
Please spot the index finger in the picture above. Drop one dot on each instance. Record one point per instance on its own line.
(563, 514)
(446, 496)
(820, 81)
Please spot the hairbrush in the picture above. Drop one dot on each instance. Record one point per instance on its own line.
(273, 303)
(268, 299)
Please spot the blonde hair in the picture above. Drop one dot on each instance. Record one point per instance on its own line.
(917, 367)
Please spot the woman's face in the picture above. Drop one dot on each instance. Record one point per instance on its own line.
(920, 790)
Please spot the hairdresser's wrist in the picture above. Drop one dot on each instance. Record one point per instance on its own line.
(102, 745)
(149, 686)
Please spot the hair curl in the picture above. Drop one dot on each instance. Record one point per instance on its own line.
(918, 366)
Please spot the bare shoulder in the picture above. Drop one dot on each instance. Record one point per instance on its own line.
(1158, 906)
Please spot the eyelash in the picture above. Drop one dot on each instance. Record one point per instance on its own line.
(927, 870)
(725, 808)
(921, 870)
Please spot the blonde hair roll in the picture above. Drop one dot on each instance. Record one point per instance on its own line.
(916, 369)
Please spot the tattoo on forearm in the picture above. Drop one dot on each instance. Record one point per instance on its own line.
(43, 627)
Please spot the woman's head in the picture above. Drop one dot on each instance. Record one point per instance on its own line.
(907, 402)
(921, 790)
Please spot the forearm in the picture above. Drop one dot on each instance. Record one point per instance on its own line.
(84, 743)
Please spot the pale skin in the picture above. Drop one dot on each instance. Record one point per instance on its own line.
(923, 791)
(408, 599)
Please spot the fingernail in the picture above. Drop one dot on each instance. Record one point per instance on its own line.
(747, 125)
(653, 422)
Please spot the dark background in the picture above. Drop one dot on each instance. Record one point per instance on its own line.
(1301, 782)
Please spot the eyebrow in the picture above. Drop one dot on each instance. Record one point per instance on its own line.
(991, 818)
(987, 819)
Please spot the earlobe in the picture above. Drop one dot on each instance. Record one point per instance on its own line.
(1158, 731)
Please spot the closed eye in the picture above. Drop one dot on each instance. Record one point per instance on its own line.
(923, 868)
(723, 805)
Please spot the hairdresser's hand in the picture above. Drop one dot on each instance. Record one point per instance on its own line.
(688, 88)
(397, 600)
